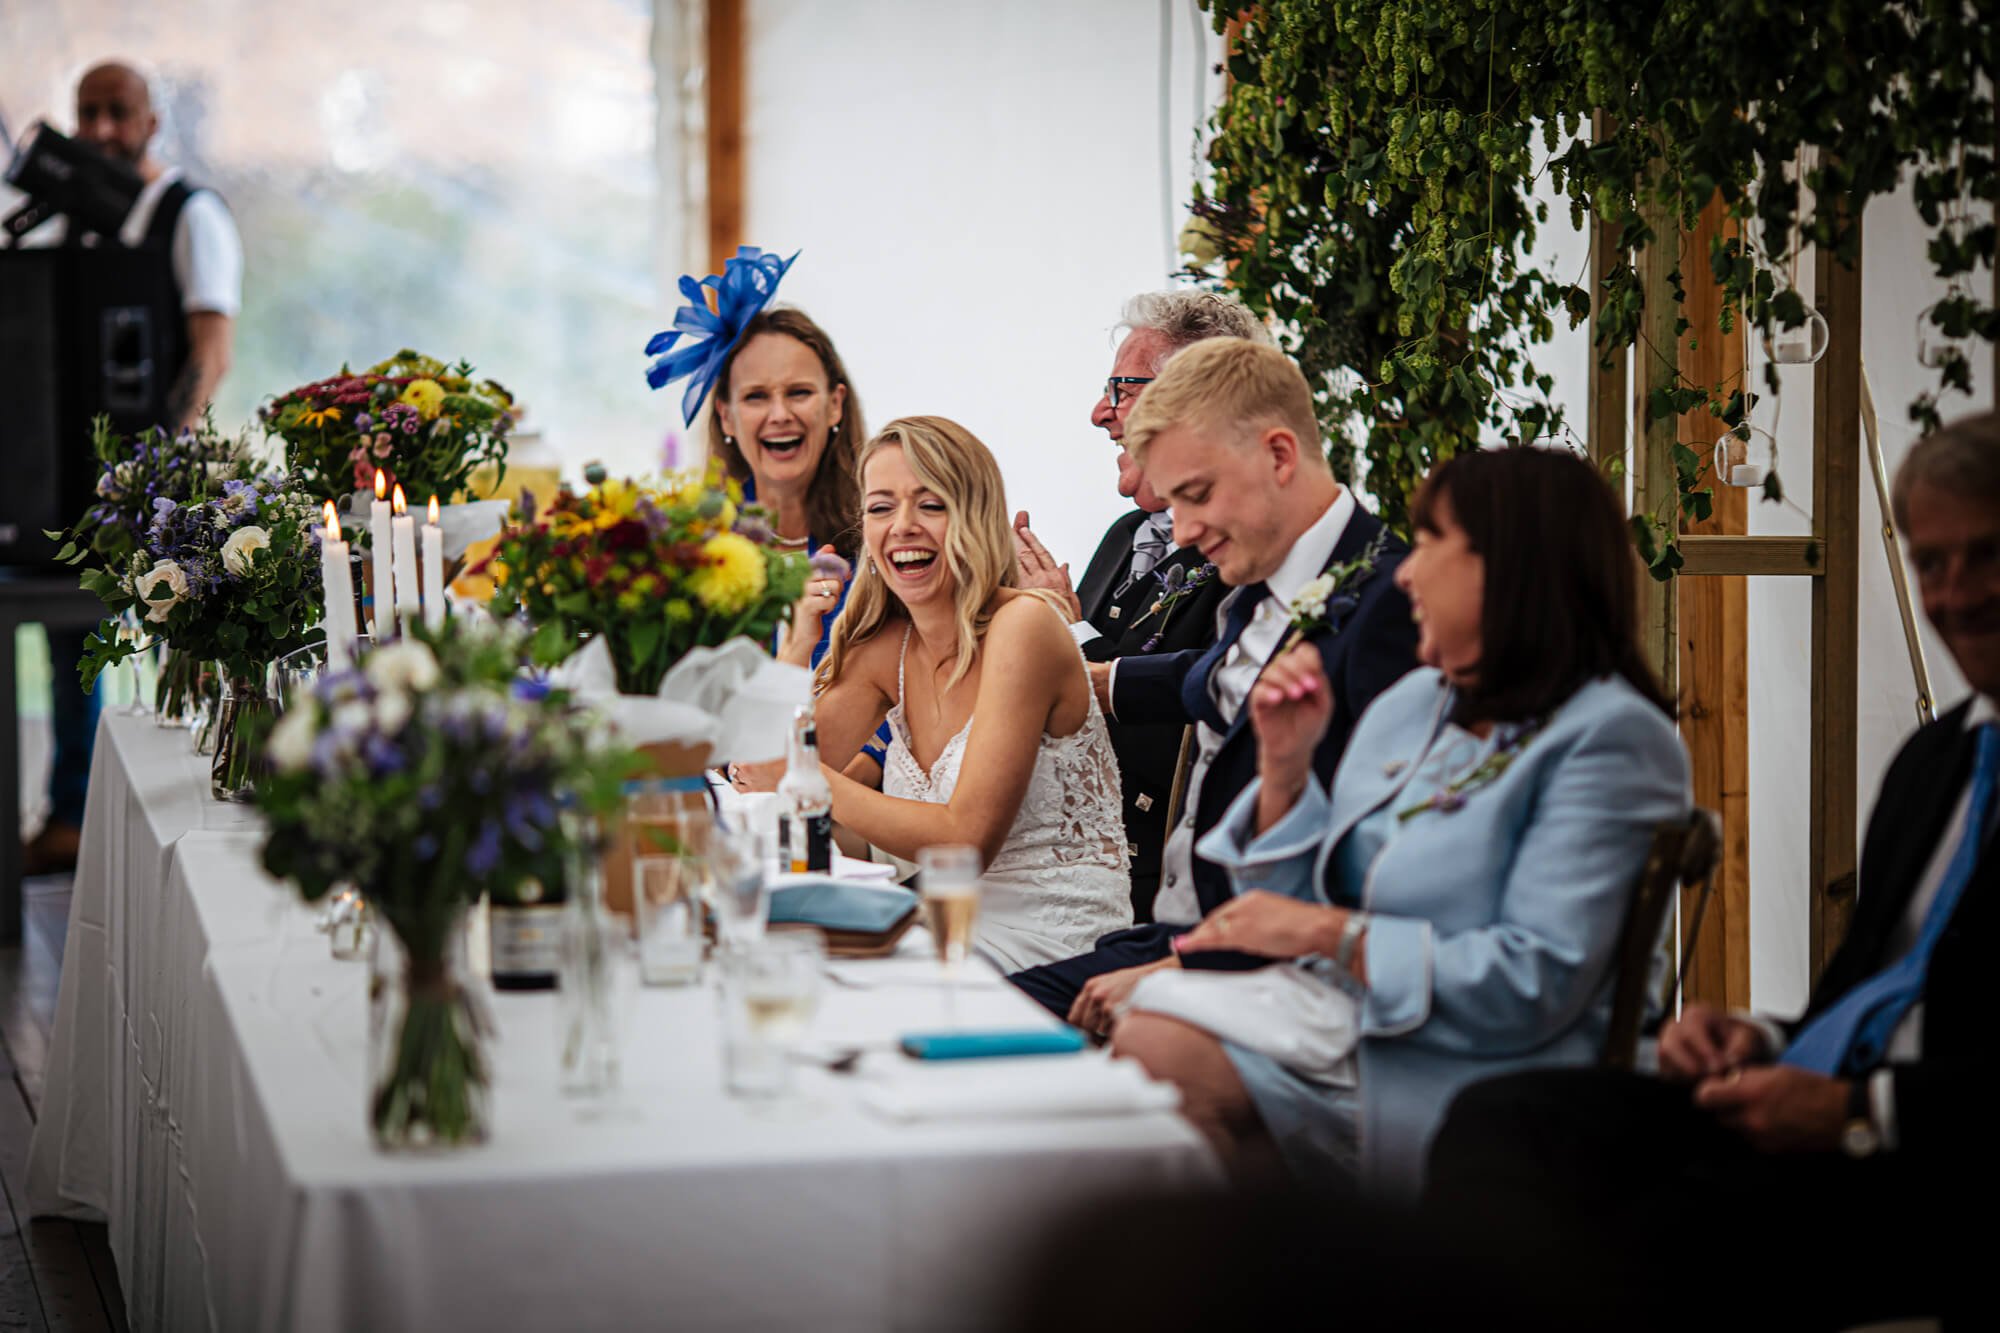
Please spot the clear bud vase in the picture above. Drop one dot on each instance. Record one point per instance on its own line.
(427, 1070)
(246, 704)
(589, 995)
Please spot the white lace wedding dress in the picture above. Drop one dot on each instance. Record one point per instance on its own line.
(1062, 878)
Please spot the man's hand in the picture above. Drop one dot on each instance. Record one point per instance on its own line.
(1102, 997)
(1100, 685)
(1269, 925)
(1040, 570)
(1779, 1108)
(1705, 1043)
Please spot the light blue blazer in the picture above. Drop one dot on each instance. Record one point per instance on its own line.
(1494, 927)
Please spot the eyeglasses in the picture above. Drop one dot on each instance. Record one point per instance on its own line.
(1116, 394)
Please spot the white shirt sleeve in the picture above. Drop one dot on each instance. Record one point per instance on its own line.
(208, 256)
(1083, 632)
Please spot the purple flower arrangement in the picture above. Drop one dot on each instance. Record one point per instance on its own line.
(135, 474)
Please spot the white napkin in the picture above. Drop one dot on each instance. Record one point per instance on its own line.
(733, 698)
(1288, 1011)
(1014, 1089)
(463, 524)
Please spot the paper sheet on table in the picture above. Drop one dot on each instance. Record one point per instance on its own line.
(904, 969)
(1015, 1089)
(733, 698)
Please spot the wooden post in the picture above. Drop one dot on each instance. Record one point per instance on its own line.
(723, 40)
(1835, 598)
(1610, 412)
(1657, 366)
(1714, 647)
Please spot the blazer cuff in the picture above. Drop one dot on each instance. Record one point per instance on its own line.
(1398, 1000)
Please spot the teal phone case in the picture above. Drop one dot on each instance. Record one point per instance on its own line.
(985, 1045)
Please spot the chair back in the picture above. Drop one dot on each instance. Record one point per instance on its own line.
(1684, 854)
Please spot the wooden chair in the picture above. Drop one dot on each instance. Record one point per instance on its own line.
(1684, 854)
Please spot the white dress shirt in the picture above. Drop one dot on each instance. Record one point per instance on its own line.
(1230, 686)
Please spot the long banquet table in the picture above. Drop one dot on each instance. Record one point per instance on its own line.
(205, 1095)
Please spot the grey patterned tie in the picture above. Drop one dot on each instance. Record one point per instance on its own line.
(1151, 541)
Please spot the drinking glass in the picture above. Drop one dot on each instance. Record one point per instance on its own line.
(672, 832)
(948, 879)
(770, 992)
(742, 895)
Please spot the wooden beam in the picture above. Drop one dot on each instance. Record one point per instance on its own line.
(1610, 413)
(1714, 651)
(1835, 600)
(723, 42)
(1654, 493)
(1719, 555)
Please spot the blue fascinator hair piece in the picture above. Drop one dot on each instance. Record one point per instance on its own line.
(746, 285)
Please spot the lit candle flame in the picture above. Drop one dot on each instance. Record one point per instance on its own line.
(332, 523)
(432, 520)
(397, 504)
(381, 484)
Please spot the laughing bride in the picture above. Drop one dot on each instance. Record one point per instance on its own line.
(997, 741)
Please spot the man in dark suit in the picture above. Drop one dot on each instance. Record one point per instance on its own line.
(1228, 436)
(1833, 1146)
(1141, 593)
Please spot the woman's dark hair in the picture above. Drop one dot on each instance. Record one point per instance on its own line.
(833, 501)
(1562, 600)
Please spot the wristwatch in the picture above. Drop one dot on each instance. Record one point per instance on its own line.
(1350, 933)
(1858, 1137)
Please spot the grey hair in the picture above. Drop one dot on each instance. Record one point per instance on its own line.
(1963, 458)
(1187, 315)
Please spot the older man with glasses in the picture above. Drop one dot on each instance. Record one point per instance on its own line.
(1140, 593)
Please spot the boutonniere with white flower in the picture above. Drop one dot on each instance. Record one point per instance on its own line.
(1325, 603)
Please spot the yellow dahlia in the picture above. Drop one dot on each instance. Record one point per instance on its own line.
(427, 396)
(731, 575)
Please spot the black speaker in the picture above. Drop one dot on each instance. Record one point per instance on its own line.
(84, 330)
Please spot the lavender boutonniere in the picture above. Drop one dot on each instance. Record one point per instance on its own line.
(1450, 798)
(1176, 582)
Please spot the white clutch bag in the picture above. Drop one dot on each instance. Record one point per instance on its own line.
(1285, 1011)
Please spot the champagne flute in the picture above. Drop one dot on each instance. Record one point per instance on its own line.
(948, 879)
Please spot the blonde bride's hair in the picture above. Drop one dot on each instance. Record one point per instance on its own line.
(978, 540)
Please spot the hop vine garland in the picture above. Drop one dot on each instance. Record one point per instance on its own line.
(1374, 164)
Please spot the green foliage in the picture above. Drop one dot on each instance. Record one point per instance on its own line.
(1374, 159)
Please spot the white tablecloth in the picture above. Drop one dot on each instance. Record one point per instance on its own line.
(206, 1094)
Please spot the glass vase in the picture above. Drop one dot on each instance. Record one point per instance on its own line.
(591, 1008)
(668, 828)
(178, 693)
(232, 769)
(427, 1070)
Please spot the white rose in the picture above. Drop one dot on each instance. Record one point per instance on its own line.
(291, 743)
(392, 710)
(352, 718)
(242, 546)
(402, 666)
(149, 587)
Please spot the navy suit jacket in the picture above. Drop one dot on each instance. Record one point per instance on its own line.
(1370, 650)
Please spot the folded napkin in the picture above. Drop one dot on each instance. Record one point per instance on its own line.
(732, 698)
(1030, 1087)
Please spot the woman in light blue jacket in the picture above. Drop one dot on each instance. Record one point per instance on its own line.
(1451, 910)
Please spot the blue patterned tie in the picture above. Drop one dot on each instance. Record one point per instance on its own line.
(1195, 694)
(1850, 1037)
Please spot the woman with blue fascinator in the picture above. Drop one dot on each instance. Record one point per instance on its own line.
(785, 423)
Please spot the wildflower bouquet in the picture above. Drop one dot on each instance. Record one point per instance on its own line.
(134, 472)
(653, 571)
(429, 774)
(232, 579)
(428, 425)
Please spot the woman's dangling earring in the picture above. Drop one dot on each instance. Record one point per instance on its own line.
(729, 440)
